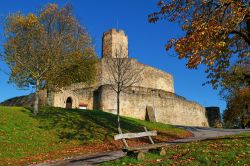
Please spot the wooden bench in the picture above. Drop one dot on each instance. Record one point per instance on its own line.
(140, 150)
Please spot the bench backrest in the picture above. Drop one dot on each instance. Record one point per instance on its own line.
(136, 135)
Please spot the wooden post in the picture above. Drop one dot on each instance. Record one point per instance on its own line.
(149, 137)
(123, 139)
(140, 156)
(163, 152)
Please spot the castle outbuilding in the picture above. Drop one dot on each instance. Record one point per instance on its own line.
(152, 98)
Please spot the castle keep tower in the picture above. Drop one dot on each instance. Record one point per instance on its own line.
(114, 44)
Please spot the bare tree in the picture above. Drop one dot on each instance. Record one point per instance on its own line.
(122, 74)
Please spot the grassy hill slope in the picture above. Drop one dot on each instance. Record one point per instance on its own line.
(58, 133)
(24, 101)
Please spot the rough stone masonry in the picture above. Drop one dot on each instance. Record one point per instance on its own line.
(156, 91)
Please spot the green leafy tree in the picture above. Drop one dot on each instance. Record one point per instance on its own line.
(217, 33)
(48, 50)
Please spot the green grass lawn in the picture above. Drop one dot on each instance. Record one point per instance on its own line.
(58, 133)
(229, 150)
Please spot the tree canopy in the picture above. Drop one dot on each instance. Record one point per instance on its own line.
(236, 91)
(217, 33)
(237, 113)
(49, 49)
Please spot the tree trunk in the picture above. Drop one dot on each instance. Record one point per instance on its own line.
(118, 110)
(242, 122)
(248, 28)
(49, 99)
(242, 126)
(36, 102)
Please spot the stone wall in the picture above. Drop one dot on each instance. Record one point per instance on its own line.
(78, 95)
(151, 77)
(156, 79)
(83, 93)
(60, 98)
(169, 108)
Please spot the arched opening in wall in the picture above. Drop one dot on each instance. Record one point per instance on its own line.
(69, 102)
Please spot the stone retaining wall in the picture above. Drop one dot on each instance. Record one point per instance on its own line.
(169, 108)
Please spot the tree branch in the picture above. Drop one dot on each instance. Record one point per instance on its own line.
(242, 35)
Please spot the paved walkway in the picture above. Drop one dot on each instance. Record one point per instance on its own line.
(86, 160)
(200, 133)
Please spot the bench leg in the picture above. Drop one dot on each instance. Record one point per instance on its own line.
(140, 156)
(163, 152)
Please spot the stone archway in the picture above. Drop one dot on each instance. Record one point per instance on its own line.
(69, 102)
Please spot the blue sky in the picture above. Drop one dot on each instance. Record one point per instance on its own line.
(146, 41)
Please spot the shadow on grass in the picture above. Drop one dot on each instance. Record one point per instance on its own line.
(83, 125)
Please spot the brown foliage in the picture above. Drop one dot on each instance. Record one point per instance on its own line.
(238, 108)
(48, 50)
(217, 33)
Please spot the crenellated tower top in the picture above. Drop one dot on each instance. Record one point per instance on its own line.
(114, 44)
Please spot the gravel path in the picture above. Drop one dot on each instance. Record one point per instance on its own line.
(200, 133)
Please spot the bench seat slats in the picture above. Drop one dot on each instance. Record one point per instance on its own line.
(135, 135)
(146, 147)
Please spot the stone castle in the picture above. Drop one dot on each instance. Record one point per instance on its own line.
(152, 97)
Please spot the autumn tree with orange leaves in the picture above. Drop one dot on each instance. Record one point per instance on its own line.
(48, 50)
(236, 92)
(217, 33)
(237, 113)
